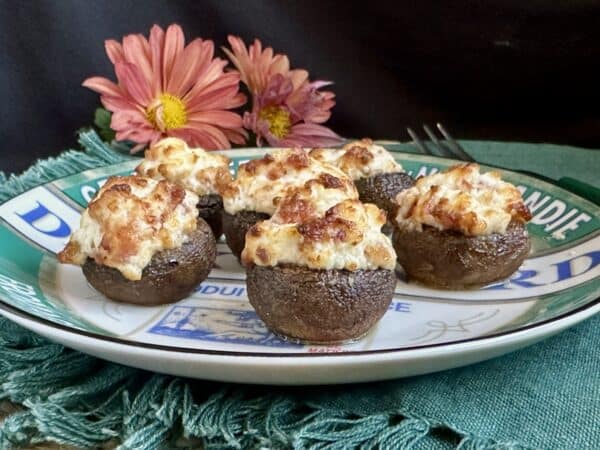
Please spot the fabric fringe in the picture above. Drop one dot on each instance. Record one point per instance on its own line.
(75, 399)
(95, 154)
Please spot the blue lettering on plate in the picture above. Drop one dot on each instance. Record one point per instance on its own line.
(221, 289)
(31, 217)
(399, 307)
(234, 326)
(562, 270)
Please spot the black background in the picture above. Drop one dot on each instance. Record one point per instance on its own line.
(497, 69)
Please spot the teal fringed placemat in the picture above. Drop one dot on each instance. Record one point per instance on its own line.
(546, 396)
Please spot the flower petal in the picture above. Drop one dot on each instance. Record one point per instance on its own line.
(307, 104)
(119, 103)
(156, 42)
(276, 91)
(224, 119)
(142, 136)
(311, 135)
(212, 79)
(298, 77)
(195, 59)
(125, 119)
(211, 72)
(132, 80)
(137, 51)
(237, 136)
(103, 86)
(221, 93)
(174, 44)
(114, 50)
(205, 136)
(255, 65)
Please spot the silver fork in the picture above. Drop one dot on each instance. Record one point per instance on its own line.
(450, 148)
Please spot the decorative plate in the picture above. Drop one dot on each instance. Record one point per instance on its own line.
(215, 334)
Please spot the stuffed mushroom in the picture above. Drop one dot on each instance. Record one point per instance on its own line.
(194, 169)
(141, 241)
(320, 276)
(260, 184)
(460, 228)
(378, 177)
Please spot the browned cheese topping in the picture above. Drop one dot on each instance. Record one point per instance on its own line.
(129, 220)
(461, 199)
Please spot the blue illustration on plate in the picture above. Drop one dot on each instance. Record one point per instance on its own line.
(234, 326)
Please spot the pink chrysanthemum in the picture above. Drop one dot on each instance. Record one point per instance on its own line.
(286, 108)
(166, 88)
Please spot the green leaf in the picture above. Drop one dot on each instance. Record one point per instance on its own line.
(102, 121)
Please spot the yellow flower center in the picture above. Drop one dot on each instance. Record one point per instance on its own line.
(279, 120)
(167, 112)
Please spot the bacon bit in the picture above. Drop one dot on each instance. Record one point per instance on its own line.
(358, 155)
(255, 230)
(163, 170)
(330, 182)
(299, 159)
(251, 167)
(520, 211)
(262, 254)
(124, 188)
(276, 172)
(228, 190)
(69, 253)
(223, 179)
(378, 253)
(105, 244)
(169, 150)
(294, 209)
(177, 193)
(328, 228)
(137, 181)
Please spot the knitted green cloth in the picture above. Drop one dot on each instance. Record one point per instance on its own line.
(546, 396)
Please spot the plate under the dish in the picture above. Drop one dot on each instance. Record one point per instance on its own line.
(215, 334)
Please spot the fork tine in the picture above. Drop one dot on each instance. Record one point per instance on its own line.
(455, 146)
(443, 149)
(418, 142)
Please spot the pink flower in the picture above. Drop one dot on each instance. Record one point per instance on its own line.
(166, 88)
(286, 107)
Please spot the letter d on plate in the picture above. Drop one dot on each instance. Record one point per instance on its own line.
(42, 217)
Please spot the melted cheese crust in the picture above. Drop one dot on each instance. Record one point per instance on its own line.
(312, 200)
(359, 159)
(347, 236)
(194, 169)
(461, 199)
(260, 184)
(129, 220)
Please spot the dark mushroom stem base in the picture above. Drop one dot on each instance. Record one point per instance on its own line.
(451, 260)
(210, 209)
(170, 276)
(235, 227)
(319, 306)
(381, 190)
